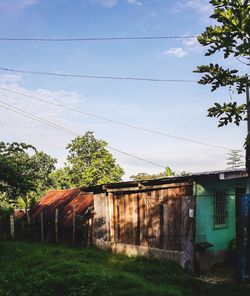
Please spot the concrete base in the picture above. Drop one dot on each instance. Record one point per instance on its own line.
(133, 250)
(205, 260)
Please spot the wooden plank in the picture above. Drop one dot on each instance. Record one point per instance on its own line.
(74, 226)
(42, 230)
(138, 230)
(111, 216)
(103, 204)
(122, 220)
(12, 226)
(56, 225)
(117, 190)
(148, 187)
(172, 217)
(125, 217)
(89, 240)
(134, 218)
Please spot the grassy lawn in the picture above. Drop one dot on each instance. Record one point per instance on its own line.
(35, 269)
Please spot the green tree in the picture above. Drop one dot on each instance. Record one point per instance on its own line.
(61, 178)
(167, 173)
(42, 165)
(24, 172)
(145, 176)
(231, 35)
(88, 163)
(235, 159)
(15, 180)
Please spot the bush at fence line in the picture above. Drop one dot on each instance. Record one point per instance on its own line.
(5, 211)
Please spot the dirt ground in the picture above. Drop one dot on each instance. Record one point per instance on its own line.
(219, 274)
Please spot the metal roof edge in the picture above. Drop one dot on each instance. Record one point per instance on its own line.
(188, 178)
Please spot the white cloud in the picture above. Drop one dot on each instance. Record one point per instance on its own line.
(190, 42)
(134, 2)
(107, 3)
(13, 5)
(112, 3)
(192, 45)
(202, 7)
(199, 5)
(176, 52)
(9, 79)
(17, 127)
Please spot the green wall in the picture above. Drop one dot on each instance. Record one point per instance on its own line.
(204, 191)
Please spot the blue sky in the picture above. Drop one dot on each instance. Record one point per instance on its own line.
(175, 108)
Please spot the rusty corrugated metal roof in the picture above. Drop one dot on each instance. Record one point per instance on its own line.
(64, 201)
(80, 204)
(53, 200)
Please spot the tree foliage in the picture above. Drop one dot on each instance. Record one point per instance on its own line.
(23, 171)
(167, 173)
(235, 159)
(145, 176)
(88, 163)
(231, 36)
(15, 176)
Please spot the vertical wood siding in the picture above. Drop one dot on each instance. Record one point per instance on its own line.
(154, 218)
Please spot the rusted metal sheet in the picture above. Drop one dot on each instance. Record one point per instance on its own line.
(56, 199)
(80, 203)
(63, 201)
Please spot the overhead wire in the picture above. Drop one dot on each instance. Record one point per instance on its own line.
(45, 121)
(62, 128)
(37, 118)
(115, 121)
(94, 38)
(95, 76)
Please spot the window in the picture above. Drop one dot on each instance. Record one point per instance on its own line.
(220, 209)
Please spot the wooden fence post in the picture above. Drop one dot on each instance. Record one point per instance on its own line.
(12, 226)
(74, 225)
(41, 216)
(90, 231)
(56, 225)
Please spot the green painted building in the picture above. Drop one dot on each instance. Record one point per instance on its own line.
(217, 195)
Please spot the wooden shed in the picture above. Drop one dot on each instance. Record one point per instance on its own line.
(146, 218)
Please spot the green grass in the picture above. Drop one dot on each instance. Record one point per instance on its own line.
(35, 269)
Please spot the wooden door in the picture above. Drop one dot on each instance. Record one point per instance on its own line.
(171, 224)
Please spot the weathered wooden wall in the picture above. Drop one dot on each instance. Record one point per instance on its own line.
(150, 217)
(101, 217)
(159, 218)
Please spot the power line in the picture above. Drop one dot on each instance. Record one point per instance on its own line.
(95, 38)
(118, 122)
(94, 76)
(60, 127)
(37, 118)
